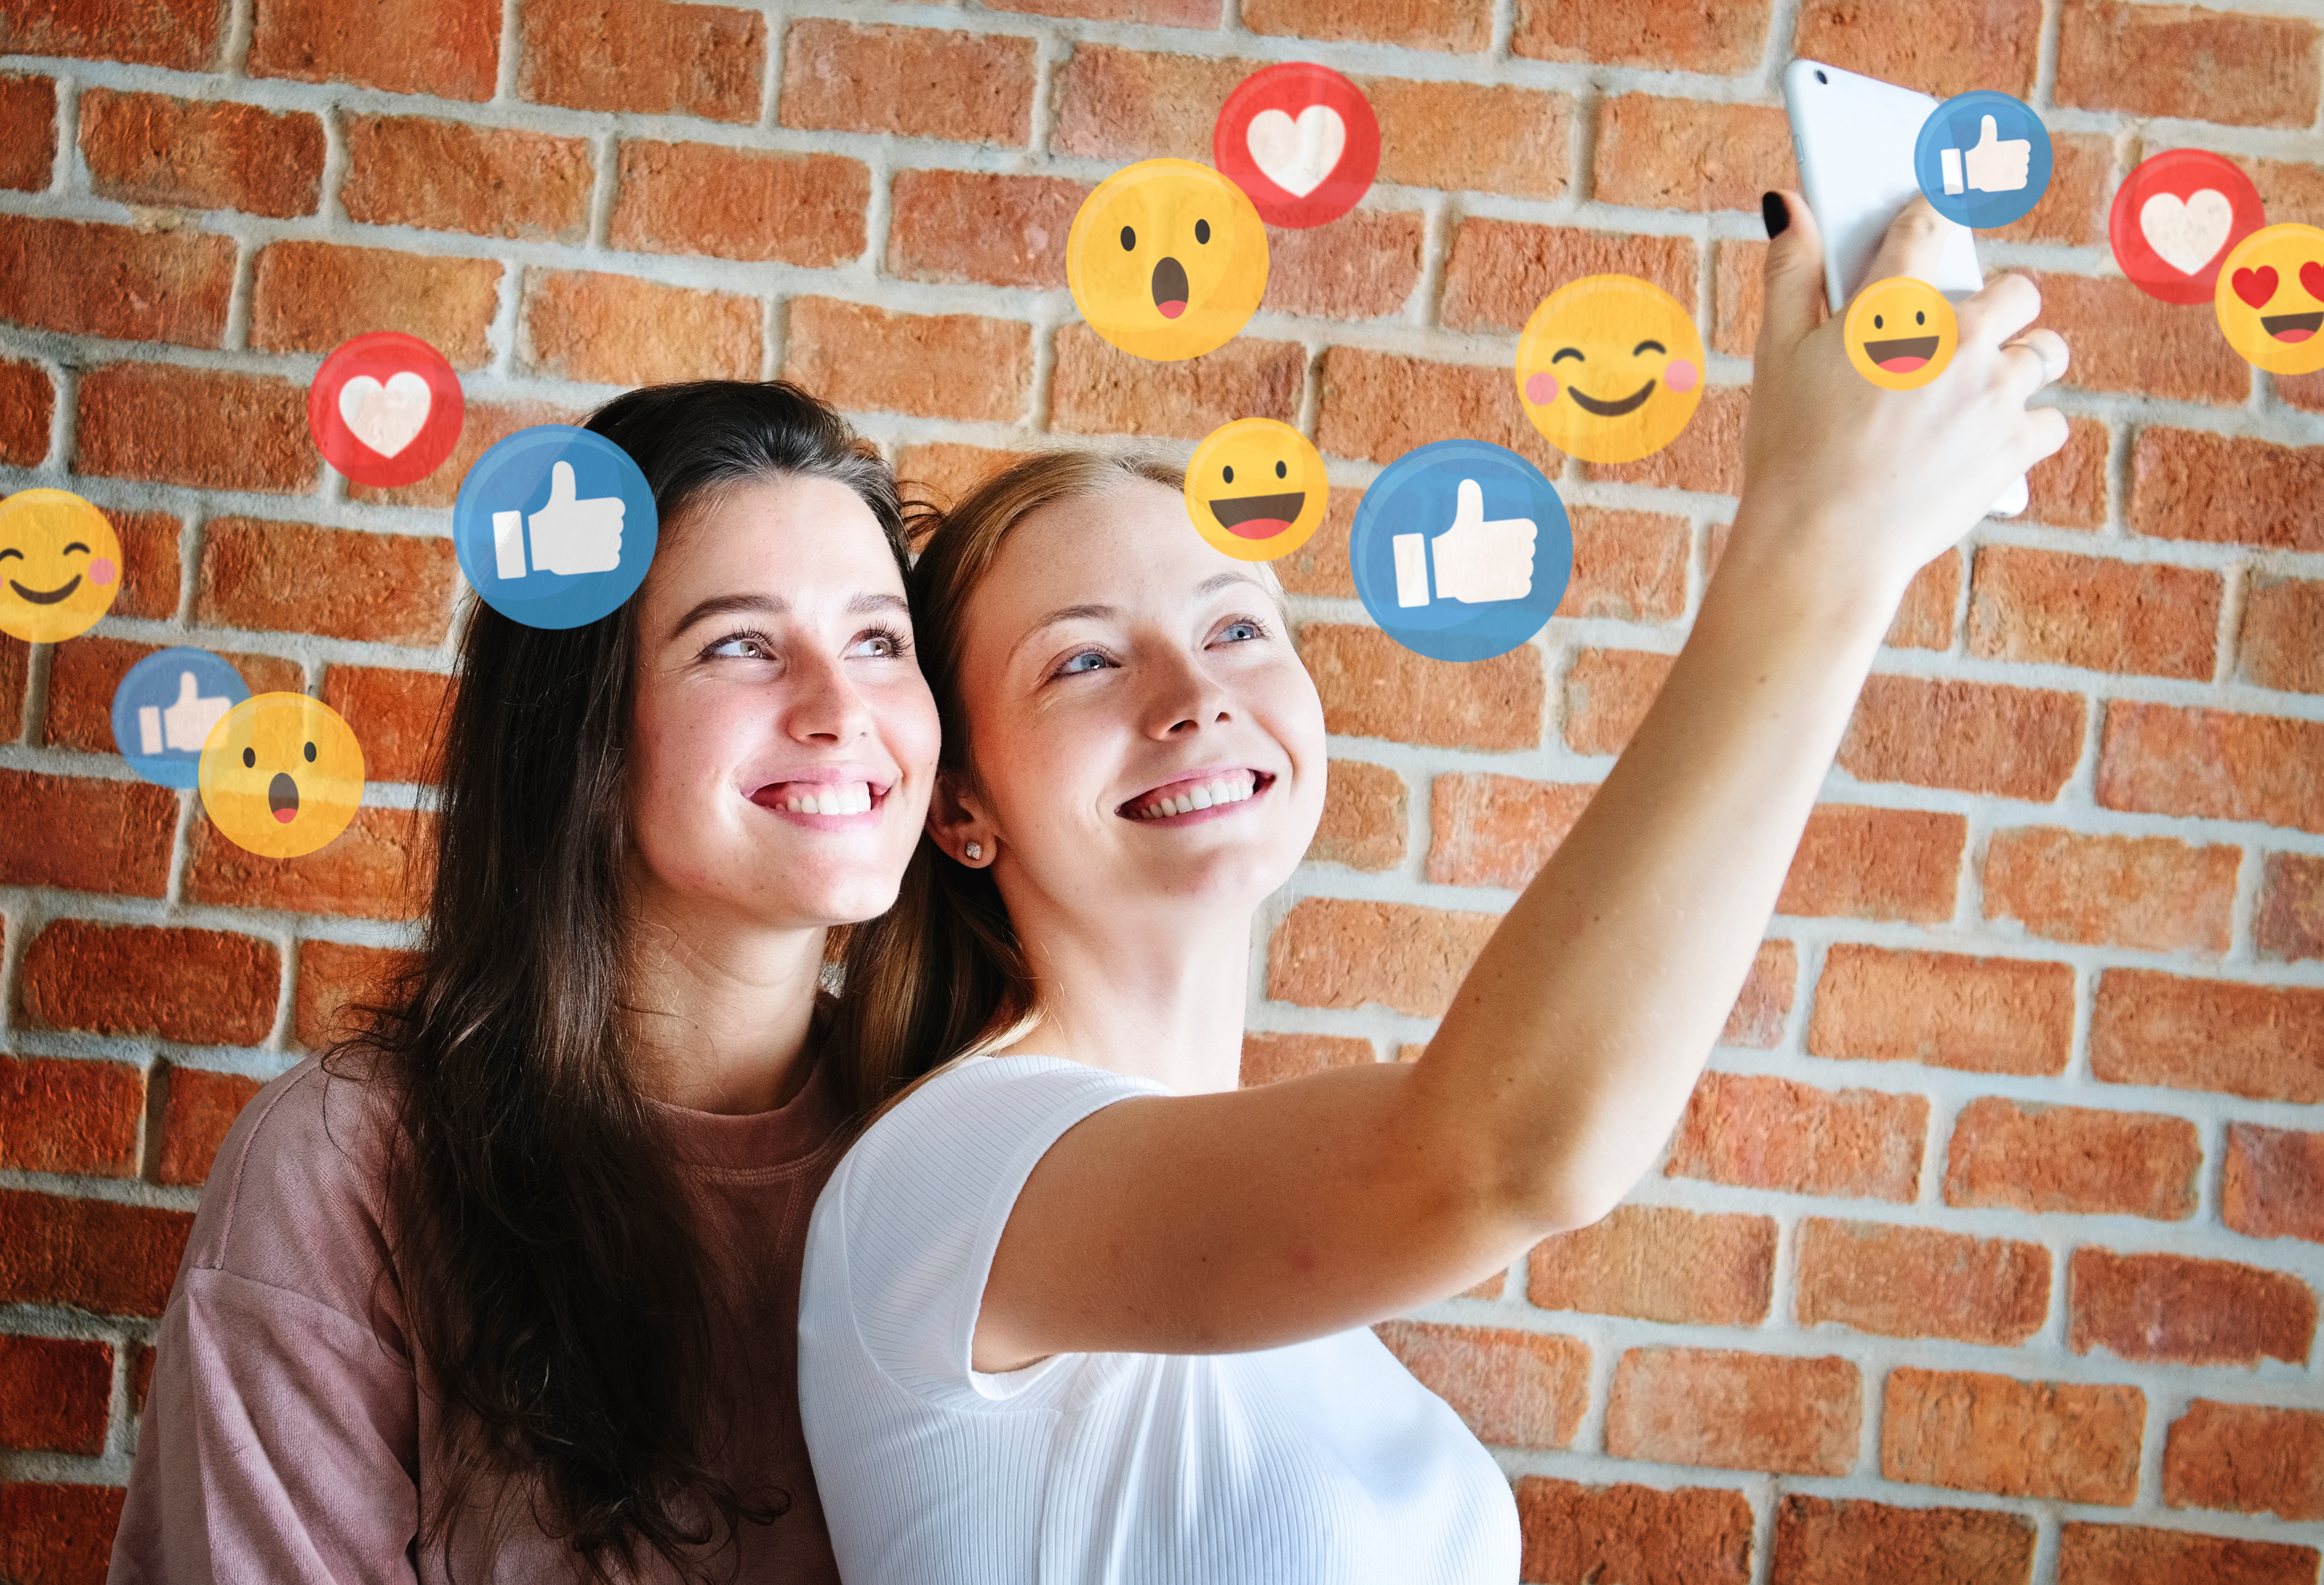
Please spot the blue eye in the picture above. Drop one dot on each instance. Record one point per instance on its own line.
(1074, 664)
(1242, 631)
(739, 647)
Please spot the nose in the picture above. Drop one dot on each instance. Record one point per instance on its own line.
(1185, 698)
(821, 703)
(1169, 286)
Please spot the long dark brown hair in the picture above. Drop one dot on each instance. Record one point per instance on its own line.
(559, 1299)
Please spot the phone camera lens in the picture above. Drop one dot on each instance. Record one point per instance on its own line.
(1822, 78)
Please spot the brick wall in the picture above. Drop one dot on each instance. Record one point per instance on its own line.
(1989, 1250)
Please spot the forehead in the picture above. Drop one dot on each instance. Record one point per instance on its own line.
(789, 531)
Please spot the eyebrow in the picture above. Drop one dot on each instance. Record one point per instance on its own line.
(1208, 587)
(864, 605)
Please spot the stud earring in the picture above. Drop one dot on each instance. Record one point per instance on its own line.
(974, 850)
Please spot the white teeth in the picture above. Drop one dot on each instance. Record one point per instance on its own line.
(1201, 797)
(852, 797)
(1206, 795)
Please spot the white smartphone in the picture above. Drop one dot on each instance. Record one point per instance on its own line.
(1854, 137)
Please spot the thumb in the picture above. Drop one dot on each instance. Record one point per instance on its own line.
(1470, 505)
(1990, 135)
(187, 691)
(560, 484)
(1794, 291)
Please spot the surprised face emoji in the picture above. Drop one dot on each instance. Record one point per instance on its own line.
(282, 775)
(1609, 368)
(1166, 260)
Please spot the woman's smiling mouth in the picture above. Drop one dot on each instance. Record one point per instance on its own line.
(1204, 793)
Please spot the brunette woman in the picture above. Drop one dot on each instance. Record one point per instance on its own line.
(504, 1289)
(1075, 1308)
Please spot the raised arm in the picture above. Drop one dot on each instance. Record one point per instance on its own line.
(1258, 1217)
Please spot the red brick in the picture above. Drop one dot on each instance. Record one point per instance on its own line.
(1362, 266)
(1334, 951)
(182, 35)
(1471, 137)
(66, 1115)
(450, 48)
(488, 181)
(1267, 1057)
(2289, 190)
(2124, 340)
(1860, 862)
(1660, 1263)
(2128, 1554)
(1183, 13)
(1924, 615)
(1512, 1388)
(200, 1108)
(54, 1394)
(1607, 692)
(252, 434)
(908, 82)
(191, 154)
(1320, 567)
(1487, 830)
(2291, 920)
(1821, 1541)
(750, 203)
(342, 583)
(334, 979)
(15, 658)
(28, 403)
(1373, 686)
(1380, 405)
(311, 296)
(1756, 1018)
(1462, 26)
(1973, 1431)
(1719, 39)
(1771, 1133)
(57, 1535)
(199, 987)
(380, 868)
(943, 471)
(1947, 1009)
(642, 55)
(2277, 648)
(114, 281)
(1630, 566)
(1500, 270)
(94, 1255)
(148, 562)
(2255, 1040)
(395, 715)
(2188, 61)
(1575, 1534)
(1919, 1282)
(84, 676)
(2168, 1307)
(2273, 1185)
(2031, 1156)
(1116, 103)
(2039, 607)
(2154, 892)
(1707, 456)
(2225, 490)
(1736, 1411)
(28, 131)
(1657, 153)
(614, 330)
(1738, 296)
(2073, 209)
(2068, 489)
(484, 425)
(943, 366)
(2247, 1459)
(1363, 817)
(1946, 52)
(1097, 389)
(967, 226)
(1976, 737)
(2162, 760)
(85, 835)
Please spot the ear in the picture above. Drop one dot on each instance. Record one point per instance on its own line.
(956, 818)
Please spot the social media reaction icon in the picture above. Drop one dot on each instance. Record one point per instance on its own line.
(59, 565)
(1166, 260)
(1900, 333)
(1301, 140)
(2176, 217)
(1461, 550)
(385, 409)
(164, 709)
(1983, 159)
(280, 774)
(2270, 299)
(554, 525)
(1256, 489)
(1609, 368)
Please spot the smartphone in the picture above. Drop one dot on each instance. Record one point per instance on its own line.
(1854, 137)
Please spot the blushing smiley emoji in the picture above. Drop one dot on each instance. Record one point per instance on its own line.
(1900, 333)
(282, 775)
(1609, 368)
(59, 565)
(1167, 258)
(1256, 489)
(2270, 299)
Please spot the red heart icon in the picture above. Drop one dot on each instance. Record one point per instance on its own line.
(2255, 286)
(2311, 276)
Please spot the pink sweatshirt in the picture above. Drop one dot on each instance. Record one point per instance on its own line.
(286, 1437)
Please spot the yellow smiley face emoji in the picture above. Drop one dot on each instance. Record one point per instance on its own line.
(282, 775)
(1900, 333)
(1609, 368)
(1167, 258)
(1256, 489)
(59, 565)
(2270, 299)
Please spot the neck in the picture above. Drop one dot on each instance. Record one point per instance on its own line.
(720, 1010)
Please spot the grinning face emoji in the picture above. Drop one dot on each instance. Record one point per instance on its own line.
(1167, 258)
(1256, 489)
(282, 775)
(59, 565)
(1609, 368)
(2270, 299)
(1900, 333)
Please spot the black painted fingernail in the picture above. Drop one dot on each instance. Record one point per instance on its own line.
(1775, 214)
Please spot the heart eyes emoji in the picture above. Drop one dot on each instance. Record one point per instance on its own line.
(2255, 286)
